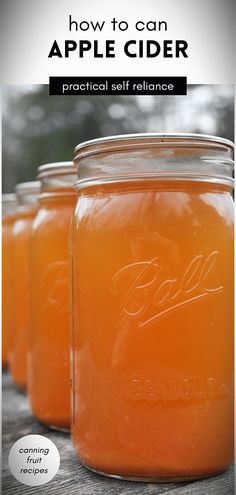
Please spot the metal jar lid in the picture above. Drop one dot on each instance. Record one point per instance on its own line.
(27, 192)
(32, 187)
(52, 169)
(194, 157)
(9, 203)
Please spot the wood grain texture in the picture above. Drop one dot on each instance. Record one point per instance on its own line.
(72, 478)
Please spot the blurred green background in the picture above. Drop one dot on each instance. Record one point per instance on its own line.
(38, 128)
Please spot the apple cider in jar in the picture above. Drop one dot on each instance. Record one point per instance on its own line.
(8, 217)
(27, 199)
(49, 374)
(152, 243)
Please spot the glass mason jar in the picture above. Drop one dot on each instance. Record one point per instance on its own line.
(8, 217)
(49, 376)
(152, 242)
(27, 200)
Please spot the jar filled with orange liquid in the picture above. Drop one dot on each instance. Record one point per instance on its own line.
(27, 199)
(8, 216)
(152, 243)
(49, 373)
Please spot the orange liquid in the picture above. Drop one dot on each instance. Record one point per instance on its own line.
(49, 375)
(7, 224)
(20, 295)
(153, 329)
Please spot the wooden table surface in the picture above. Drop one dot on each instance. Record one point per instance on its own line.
(72, 478)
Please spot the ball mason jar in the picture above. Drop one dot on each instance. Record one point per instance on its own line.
(8, 217)
(27, 205)
(152, 242)
(49, 376)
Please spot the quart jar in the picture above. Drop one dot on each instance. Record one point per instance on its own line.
(49, 371)
(8, 216)
(27, 206)
(152, 245)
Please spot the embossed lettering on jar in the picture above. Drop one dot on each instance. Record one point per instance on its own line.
(152, 245)
(49, 371)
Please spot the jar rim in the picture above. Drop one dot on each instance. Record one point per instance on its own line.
(9, 203)
(127, 141)
(28, 188)
(9, 198)
(57, 168)
(155, 155)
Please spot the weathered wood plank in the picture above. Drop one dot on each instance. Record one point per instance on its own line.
(72, 477)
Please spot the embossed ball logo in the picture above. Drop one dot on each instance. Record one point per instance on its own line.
(144, 287)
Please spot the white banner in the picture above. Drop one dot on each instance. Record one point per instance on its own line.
(193, 38)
